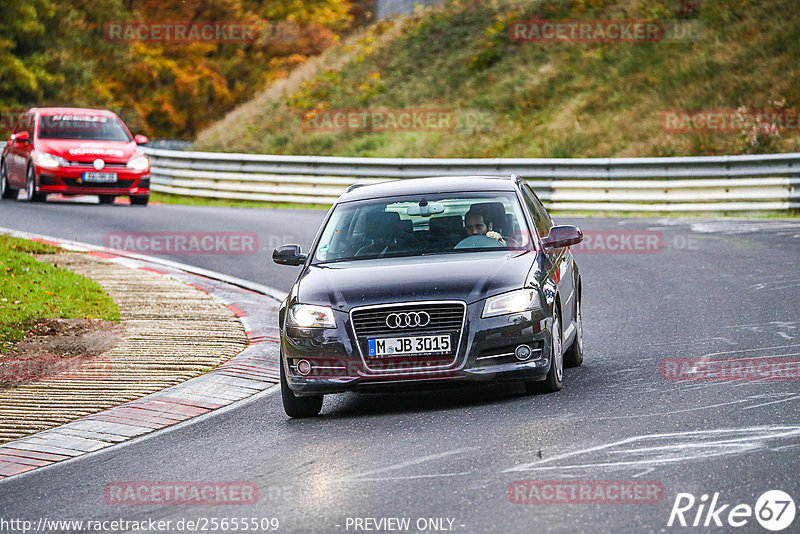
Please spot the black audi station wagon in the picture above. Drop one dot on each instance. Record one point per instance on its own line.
(413, 282)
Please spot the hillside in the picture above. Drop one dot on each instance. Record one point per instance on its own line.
(536, 99)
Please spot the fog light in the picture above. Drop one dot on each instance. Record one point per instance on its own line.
(522, 353)
(303, 367)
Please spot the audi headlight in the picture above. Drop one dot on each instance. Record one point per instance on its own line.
(140, 163)
(50, 161)
(307, 316)
(511, 302)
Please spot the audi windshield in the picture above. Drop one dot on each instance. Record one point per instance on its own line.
(422, 225)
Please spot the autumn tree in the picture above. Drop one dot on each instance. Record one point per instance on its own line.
(56, 52)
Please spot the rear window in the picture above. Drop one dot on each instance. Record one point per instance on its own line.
(83, 127)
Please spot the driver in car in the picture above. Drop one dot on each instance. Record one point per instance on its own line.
(478, 222)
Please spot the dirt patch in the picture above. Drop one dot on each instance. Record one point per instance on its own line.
(60, 349)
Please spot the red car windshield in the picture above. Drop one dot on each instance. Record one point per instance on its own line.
(83, 127)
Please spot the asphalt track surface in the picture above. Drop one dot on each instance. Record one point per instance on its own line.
(714, 289)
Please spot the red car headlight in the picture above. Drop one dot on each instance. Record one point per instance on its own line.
(140, 163)
(49, 161)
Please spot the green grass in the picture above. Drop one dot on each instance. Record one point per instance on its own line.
(204, 201)
(30, 290)
(770, 214)
(537, 100)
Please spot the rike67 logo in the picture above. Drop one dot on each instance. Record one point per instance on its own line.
(774, 510)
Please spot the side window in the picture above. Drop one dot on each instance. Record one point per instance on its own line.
(540, 217)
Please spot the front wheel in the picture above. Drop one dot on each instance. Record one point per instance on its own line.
(553, 380)
(30, 188)
(574, 355)
(107, 199)
(140, 200)
(295, 406)
(5, 190)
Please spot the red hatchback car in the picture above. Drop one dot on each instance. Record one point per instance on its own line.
(74, 151)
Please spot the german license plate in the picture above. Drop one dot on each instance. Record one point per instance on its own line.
(402, 346)
(99, 177)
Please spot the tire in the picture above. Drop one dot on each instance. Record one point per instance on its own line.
(5, 190)
(30, 188)
(574, 355)
(555, 376)
(107, 199)
(297, 407)
(140, 200)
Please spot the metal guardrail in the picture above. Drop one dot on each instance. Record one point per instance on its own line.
(716, 183)
(387, 8)
(700, 184)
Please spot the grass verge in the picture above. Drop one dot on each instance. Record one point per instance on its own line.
(230, 203)
(790, 214)
(30, 290)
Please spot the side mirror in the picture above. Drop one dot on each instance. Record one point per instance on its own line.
(141, 139)
(562, 236)
(25, 137)
(289, 255)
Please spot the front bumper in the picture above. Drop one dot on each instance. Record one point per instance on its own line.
(69, 181)
(485, 354)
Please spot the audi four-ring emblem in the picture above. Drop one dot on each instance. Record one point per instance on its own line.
(408, 320)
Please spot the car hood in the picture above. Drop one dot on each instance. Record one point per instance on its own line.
(77, 150)
(465, 276)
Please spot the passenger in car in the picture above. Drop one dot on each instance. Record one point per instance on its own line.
(383, 231)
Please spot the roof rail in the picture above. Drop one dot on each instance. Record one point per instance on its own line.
(354, 186)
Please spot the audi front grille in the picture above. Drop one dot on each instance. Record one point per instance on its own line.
(409, 319)
(372, 322)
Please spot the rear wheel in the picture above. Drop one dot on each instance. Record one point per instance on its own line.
(574, 355)
(30, 188)
(140, 200)
(555, 375)
(295, 406)
(5, 190)
(107, 199)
